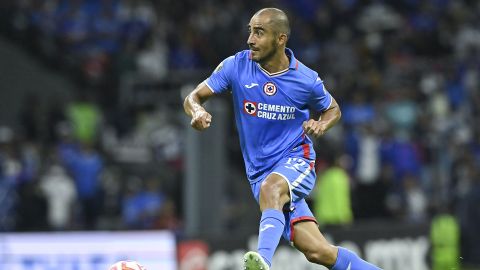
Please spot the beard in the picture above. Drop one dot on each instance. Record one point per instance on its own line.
(269, 54)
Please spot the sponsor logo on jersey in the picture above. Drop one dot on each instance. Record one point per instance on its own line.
(250, 107)
(269, 111)
(251, 85)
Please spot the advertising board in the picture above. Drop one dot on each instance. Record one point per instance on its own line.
(86, 251)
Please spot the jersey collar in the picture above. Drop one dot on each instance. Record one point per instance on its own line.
(293, 65)
(293, 60)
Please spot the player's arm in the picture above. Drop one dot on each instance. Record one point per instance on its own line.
(192, 105)
(325, 121)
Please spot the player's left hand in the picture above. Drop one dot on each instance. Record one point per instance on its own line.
(315, 128)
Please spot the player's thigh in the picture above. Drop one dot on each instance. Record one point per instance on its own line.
(311, 242)
(274, 192)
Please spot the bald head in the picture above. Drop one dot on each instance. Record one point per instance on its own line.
(277, 19)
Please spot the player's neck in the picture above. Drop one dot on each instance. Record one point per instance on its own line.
(278, 62)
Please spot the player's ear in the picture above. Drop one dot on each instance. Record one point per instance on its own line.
(282, 39)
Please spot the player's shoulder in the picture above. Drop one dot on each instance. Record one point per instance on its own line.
(308, 73)
(240, 57)
(245, 54)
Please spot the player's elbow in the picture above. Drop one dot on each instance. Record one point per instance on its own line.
(186, 104)
(338, 113)
(336, 110)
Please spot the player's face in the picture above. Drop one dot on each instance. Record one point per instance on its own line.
(262, 40)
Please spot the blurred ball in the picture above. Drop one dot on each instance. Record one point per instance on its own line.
(127, 265)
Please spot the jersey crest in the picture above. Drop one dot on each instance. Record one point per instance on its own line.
(269, 88)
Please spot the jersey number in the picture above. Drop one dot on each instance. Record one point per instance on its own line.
(295, 164)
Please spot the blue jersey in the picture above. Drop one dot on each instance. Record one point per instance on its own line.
(270, 108)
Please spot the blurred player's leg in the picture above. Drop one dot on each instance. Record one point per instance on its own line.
(310, 241)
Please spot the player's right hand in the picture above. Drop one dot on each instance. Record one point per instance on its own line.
(201, 120)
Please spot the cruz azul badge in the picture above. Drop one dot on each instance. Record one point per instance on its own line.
(269, 89)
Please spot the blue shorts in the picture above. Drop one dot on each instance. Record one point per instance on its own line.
(300, 175)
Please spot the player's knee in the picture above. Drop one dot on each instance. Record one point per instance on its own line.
(322, 254)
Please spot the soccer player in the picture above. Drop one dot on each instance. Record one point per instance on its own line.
(273, 94)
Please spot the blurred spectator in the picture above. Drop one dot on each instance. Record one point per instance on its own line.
(142, 207)
(402, 153)
(415, 200)
(358, 111)
(368, 161)
(32, 208)
(402, 111)
(60, 192)
(138, 18)
(106, 28)
(445, 237)
(152, 60)
(85, 164)
(85, 119)
(73, 28)
(332, 195)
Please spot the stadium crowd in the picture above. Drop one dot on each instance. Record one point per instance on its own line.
(405, 73)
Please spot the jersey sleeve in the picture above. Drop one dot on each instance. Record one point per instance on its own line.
(320, 98)
(221, 77)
